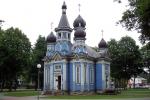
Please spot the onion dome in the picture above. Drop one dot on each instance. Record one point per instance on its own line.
(79, 21)
(51, 38)
(80, 33)
(102, 44)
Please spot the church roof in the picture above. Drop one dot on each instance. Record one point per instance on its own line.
(102, 44)
(51, 38)
(79, 21)
(79, 33)
(63, 23)
(91, 52)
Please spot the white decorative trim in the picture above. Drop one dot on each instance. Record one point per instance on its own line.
(64, 82)
(74, 81)
(81, 61)
(82, 77)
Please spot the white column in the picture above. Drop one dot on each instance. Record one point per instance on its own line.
(82, 77)
(51, 78)
(44, 77)
(88, 77)
(64, 77)
(109, 76)
(103, 77)
(74, 71)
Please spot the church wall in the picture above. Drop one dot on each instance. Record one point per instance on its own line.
(70, 76)
(84, 83)
(98, 76)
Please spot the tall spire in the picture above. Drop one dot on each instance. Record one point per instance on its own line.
(64, 7)
(63, 24)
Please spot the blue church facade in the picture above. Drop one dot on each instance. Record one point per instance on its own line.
(74, 67)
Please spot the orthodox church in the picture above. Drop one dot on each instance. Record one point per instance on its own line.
(74, 67)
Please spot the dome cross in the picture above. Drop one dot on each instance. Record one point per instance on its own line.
(52, 26)
(102, 33)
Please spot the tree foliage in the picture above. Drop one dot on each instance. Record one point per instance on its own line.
(126, 58)
(38, 53)
(14, 54)
(137, 17)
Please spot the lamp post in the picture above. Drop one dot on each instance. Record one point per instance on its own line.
(38, 66)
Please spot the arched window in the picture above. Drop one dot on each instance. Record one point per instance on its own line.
(77, 73)
(91, 75)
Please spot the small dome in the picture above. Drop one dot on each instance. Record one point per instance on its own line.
(79, 21)
(64, 6)
(51, 38)
(102, 44)
(80, 33)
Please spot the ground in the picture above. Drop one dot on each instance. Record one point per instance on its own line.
(131, 94)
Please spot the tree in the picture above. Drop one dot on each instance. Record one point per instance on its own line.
(145, 50)
(126, 59)
(14, 54)
(130, 57)
(114, 54)
(137, 17)
(38, 53)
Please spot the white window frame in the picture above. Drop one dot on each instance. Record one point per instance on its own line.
(78, 70)
(92, 75)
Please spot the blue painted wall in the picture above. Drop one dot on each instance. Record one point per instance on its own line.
(98, 76)
(70, 76)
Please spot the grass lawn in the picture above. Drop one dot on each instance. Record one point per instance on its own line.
(21, 93)
(131, 93)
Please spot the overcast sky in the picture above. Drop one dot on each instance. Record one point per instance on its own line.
(34, 17)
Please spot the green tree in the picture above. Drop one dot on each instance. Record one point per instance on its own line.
(131, 61)
(137, 17)
(14, 54)
(145, 50)
(114, 55)
(38, 53)
(126, 59)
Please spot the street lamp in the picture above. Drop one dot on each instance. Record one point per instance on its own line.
(38, 66)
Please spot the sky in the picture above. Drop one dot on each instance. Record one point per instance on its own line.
(34, 18)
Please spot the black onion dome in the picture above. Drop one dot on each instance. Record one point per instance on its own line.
(102, 44)
(51, 38)
(80, 33)
(79, 21)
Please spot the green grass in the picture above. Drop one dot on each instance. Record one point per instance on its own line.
(21, 93)
(132, 93)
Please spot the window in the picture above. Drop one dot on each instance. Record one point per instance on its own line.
(77, 73)
(57, 67)
(59, 35)
(91, 75)
(68, 36)
(64, 35)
